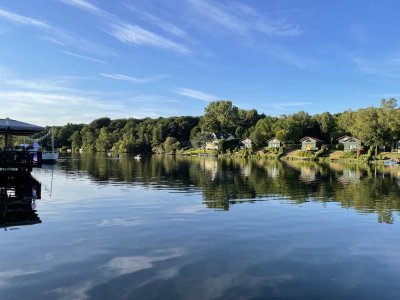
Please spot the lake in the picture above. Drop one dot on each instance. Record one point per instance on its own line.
(201, 228)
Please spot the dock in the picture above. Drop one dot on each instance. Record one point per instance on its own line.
(18, 158)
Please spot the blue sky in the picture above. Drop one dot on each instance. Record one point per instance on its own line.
(75, 60)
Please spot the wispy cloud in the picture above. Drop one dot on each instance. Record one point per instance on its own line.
(242, 19)
(160, 23)
(84, 57)
(54, 34)
(22, 20)
(86, 5)
(196, 94)
(133, 34)
(64, 103)
(132, 79)
(126, 32)
(387, 66)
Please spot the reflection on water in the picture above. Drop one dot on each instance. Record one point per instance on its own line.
(18, 195)
(224, 182)
(202, 228)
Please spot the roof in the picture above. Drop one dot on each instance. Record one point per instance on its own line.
(273, 139)
(346, 138)
(311, 138)
(220, 135)
(343, 138)
(15, 127)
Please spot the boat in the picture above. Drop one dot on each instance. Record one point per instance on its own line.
(50, 156)
(137, 157)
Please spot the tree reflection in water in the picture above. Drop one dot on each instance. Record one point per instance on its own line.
(224, 182)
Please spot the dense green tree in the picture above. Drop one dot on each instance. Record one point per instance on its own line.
(263, 131)
(171, 144)
(76, 141)
(220, 116)
(201, 139)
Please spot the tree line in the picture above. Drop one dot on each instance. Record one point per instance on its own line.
(375, 126)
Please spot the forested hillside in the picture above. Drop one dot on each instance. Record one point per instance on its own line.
(373, 125)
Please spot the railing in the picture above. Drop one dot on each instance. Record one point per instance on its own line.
(17, 159)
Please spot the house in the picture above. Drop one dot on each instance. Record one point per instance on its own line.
(274, 143)
(246, 144)
(350, 143)
(311, 143)
(217, 139)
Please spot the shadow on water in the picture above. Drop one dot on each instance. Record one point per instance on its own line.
(224, 182)
(18, 193)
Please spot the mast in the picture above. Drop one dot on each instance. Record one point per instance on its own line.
(52, 140)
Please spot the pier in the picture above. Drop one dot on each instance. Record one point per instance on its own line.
(18, 158)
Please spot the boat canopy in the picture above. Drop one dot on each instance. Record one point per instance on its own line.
(14, 127)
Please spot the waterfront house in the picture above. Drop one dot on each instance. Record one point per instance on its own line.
(274, 143)
(311, 143)
(350, 143)
(217, 139)
(246, 143)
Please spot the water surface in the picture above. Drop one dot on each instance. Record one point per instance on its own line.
(195, 228)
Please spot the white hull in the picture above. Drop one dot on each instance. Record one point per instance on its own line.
(49, 156)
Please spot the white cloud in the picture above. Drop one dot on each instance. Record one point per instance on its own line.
(131, 79)
(22, 20)
(160, 23)
(133, 34)
(166, 26)
(242, 19)
(126, 32)
(387, 66)
(63, 103)
(199, 95)
(55, 35)
(84, 57)
(85, 5)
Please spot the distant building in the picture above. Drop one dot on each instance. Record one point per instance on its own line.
(311, 144)
(217, 139)
(274, 143)
(246, 143)
(350, 143)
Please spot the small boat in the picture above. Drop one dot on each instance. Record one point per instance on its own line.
(137, 157)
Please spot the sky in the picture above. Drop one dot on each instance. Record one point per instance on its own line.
(71, 61)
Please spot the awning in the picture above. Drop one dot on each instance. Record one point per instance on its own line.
(14, 127)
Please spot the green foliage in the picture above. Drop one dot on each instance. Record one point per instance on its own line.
(324, 151)
(171, 144)
(375, 126)
(201, 139)
(229, 145)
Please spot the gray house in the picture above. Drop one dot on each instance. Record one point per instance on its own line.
(274, 143)
(217, 139)
(311, 143)
(350, 143)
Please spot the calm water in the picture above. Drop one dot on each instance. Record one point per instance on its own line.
(192, 228)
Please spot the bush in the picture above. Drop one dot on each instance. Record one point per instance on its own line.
(322, 152)
(303, 153)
